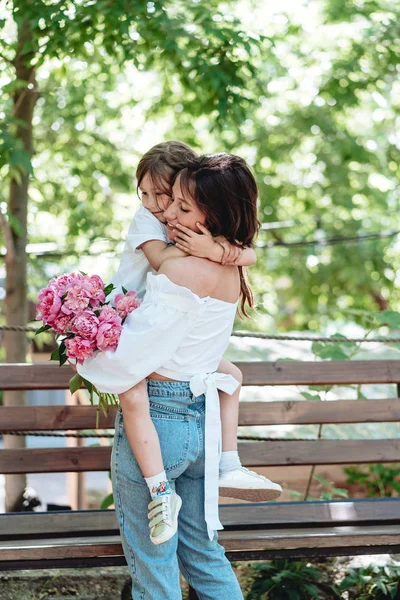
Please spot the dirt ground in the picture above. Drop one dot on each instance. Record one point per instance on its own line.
(63, 584)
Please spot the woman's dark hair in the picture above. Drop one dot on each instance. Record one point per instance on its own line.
(226, 192)
(163, 161)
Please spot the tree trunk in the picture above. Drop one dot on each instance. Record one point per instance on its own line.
(16, 259)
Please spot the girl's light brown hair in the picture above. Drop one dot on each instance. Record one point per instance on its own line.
(162, 162)
(226, 192)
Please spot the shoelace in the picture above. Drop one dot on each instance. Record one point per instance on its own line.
(253, 473)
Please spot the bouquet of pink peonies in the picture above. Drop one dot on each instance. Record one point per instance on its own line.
(75, 307)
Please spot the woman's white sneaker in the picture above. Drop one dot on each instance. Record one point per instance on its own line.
(163, 517)
(247, 485)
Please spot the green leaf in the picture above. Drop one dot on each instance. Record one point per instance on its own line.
(42, 329)
(124, 290)
(332, 353)
(320, 479)
(20, 159)
(109, 288)
(108, 501)
(75, 383)
(15, 224)
(389, 317)
(312, 590)
(63, 359)
(309, 396)
(88, 385)
(343, 493)
(55, 355)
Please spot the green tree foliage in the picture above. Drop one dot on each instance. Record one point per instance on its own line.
(309, 98)
(324, 144)
(81, 51)
(333, 167)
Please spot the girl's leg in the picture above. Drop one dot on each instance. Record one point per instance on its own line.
(140, 430)
(145, 445)
(237, 481)
(230, 407)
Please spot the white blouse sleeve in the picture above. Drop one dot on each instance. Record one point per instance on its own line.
(150, 336)
(145, 227)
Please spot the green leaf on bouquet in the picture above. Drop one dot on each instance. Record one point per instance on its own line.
(42, 329)
(63, 359)
(124, 290)
(75, 383)
(82, 273)
(62, 348)
(55, 355)
(108, 501)
(109, 288)
(89, 386)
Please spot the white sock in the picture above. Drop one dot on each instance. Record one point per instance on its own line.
(229, 461)
(158, 485)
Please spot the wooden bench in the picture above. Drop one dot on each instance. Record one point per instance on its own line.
(252, 531)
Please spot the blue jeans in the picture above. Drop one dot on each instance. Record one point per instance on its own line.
(179, 419)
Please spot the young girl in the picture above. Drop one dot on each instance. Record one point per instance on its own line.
(147, 247)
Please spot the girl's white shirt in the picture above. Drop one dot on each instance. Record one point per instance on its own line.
(134, 266)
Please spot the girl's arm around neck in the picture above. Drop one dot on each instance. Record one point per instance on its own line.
(157, 252)
(216, 249)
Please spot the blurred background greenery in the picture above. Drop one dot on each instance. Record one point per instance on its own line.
(307, 91)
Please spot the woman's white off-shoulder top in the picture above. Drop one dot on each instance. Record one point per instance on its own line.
(179, 335)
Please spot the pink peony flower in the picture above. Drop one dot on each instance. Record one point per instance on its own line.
(86, 324)
(64, 282)
(62, 323)
(79, 348)
(95, 286)
(49, 305)
(126, 303)
(110, 328)
(78, 299)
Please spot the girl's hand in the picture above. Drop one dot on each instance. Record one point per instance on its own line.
(204, 245)
(232, 254)
(201, 244)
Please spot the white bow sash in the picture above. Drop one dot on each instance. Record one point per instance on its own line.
(209, 384)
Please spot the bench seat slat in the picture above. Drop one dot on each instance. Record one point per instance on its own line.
(237, 516)
(232, 541)
(48, 376)
(271, 453)
(54, 418)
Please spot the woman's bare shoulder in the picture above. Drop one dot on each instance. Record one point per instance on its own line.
(200, 275)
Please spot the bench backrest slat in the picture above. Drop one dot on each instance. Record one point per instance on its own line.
(303, 412)
(272, 453)
(49, 376)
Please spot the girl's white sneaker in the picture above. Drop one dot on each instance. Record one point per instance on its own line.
(163, 517)
(247, 485)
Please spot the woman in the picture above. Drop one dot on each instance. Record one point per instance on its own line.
(176, 339)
